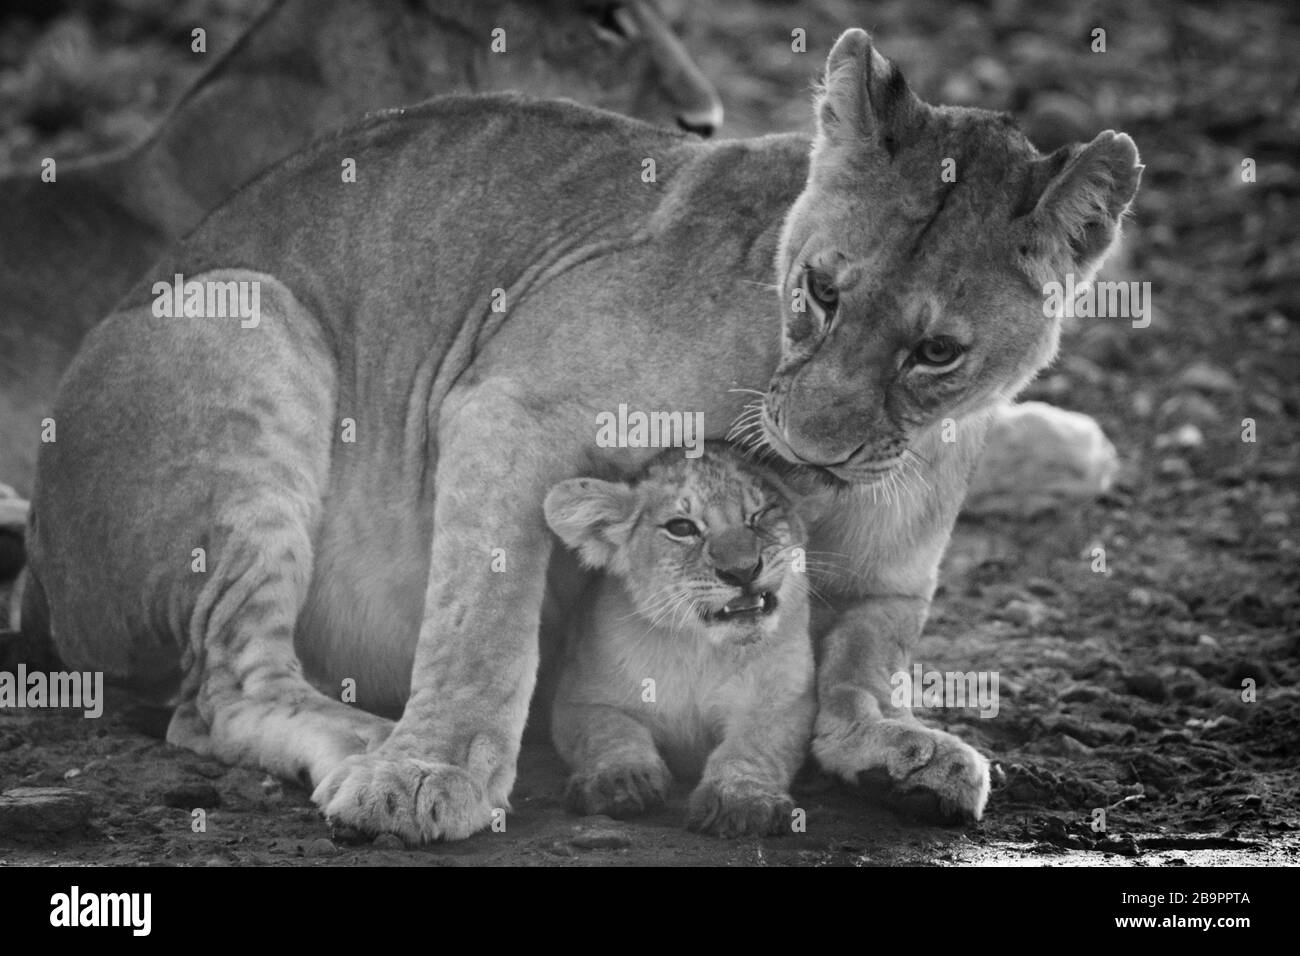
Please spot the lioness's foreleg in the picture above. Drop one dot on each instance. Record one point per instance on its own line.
(860, 735)
(450, 762)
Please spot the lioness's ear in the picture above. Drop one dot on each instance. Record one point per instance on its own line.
(864, 96)
(593, 517)
(1077, 218)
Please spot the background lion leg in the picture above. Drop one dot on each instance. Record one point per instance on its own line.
(864, 739)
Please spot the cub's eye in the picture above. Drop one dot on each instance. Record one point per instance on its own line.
(821, 289)
(682, 528)
(937, 352)
(759, 515)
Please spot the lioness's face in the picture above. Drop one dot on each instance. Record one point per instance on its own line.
(622, 55)
(703, 547)
(912, 267)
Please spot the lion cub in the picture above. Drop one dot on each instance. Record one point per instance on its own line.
(692, 650)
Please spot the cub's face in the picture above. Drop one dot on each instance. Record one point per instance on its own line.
(912, 268)
(703, 546)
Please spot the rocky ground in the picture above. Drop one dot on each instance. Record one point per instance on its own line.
(1162, 689)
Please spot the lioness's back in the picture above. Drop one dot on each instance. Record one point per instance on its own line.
(451, 167)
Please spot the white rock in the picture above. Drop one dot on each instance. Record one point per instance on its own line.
(13, 513)
(1207, 378)
(1038, 456)
(1184, 436)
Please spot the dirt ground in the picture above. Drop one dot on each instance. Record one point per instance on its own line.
(1120, 689)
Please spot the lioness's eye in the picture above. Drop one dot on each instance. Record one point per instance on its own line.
(681, 528)
(937, 352)
(821, 289)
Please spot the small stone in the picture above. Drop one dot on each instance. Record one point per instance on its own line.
(1024, 613)
(212, 769)
(1277, 323)
(602, 839)
(1205, 640)
(1207, 378)
(1141, 597)
(320, 847)
(388, 841)
(1080, 694)
(1148, 686)
(74, 772)
(1063, 745)
(1174, 467)
(1184, 436)
(1041, 587)
(1276, 519)
(1190, 407)
(188, 796)
(26, 810)
(561, 849)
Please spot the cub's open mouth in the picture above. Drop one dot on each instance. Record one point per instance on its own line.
(745, 606)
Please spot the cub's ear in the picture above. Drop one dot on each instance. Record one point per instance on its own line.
(1077, 218)
(591, 516)
(863, 97)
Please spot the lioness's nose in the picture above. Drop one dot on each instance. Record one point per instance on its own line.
(737, 556)
(680, 80)
(702, 122)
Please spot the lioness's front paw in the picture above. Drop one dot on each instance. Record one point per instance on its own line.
(926, 772)
(418, 801)
(739, 808)
(618, 791)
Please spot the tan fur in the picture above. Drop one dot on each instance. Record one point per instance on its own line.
(647, 672)
(423, 542)
(70, 249)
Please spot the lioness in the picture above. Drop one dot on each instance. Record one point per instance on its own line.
(352, 489)
(70, 248)
(693, 645)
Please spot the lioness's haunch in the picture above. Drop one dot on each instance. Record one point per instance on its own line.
(350, 489)
(70, 248)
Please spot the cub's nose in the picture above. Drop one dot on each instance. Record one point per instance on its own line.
(737, 556)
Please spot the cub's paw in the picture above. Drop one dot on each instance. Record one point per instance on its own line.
(921, 771)
(618, 791)
(416, 800)
(740, 808)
